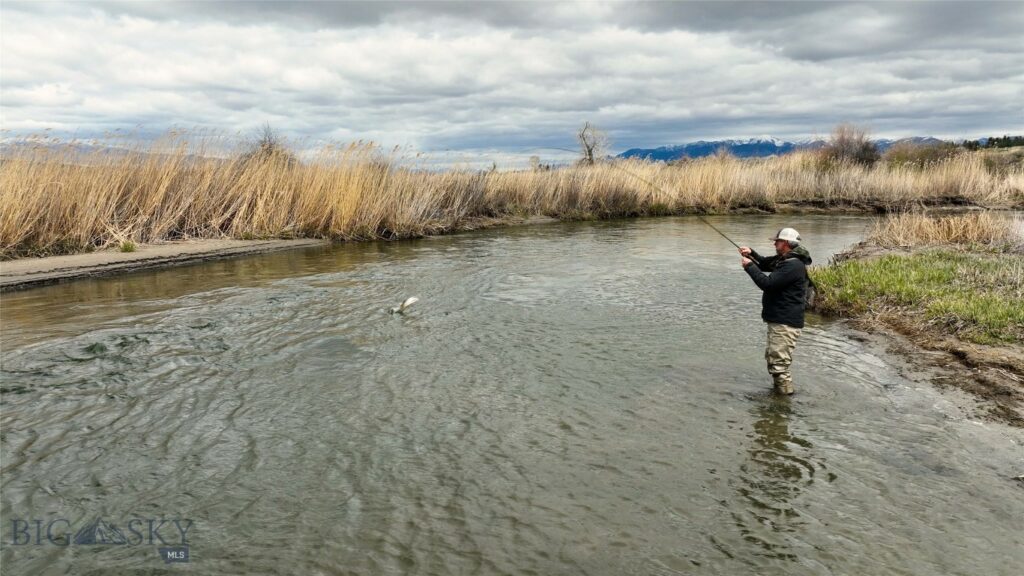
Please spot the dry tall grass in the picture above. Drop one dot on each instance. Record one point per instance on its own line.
(58, 199)
(975, 229)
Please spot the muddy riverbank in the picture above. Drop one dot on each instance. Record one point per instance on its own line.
(30, 272)
(969, 326)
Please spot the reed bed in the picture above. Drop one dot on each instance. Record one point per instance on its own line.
(979, 229)
(60, 198)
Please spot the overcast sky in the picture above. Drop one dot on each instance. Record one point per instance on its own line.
(476, 77)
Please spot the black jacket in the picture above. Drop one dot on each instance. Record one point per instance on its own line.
(785, 289)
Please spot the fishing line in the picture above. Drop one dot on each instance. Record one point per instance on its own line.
(644, 180)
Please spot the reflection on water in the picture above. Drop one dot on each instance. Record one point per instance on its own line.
(577, 398)
(775, 473)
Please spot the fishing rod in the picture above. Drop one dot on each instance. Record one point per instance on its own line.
(646, 181)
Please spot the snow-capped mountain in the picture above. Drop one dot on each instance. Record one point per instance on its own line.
(750, 148)
(884, 143)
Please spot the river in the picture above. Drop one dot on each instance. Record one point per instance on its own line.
(571, 398)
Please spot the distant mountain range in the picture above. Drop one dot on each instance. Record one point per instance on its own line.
(752, 148)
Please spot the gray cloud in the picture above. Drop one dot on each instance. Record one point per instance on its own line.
(323, 14)
(509, 76)
(825, 30)
(801, 29)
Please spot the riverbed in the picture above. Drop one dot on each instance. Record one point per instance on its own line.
(564, 398)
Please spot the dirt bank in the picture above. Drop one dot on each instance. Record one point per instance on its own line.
(993, 373)
(24, 273)
(30, 272)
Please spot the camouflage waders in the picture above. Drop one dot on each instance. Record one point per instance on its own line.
(779, 355)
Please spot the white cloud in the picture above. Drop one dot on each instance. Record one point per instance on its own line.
(505, 77)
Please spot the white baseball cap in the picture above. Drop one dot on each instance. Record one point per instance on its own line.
(788, 234)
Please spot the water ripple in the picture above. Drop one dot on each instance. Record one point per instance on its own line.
(579, 398)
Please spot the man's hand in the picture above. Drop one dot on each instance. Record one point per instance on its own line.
(745, 251)
(746, 261)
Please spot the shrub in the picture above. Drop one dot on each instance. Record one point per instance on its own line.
(1003, 162)
(268, 146)
(849, 144)
(919, 155)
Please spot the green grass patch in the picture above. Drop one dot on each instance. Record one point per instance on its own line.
(978, 297)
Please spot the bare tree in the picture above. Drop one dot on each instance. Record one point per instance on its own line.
(594, 143)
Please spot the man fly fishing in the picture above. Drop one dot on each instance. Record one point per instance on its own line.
(786, 289)
(783, 301)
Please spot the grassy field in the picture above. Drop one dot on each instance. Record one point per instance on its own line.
(956, 275)
(56, 198)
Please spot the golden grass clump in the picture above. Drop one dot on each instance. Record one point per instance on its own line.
(60, 197)
(910, 230)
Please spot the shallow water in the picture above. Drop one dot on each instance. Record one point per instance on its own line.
(564, 399)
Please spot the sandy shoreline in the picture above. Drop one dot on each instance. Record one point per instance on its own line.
(30, 272)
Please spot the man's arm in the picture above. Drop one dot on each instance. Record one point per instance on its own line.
(787, 272)
(764, 262)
